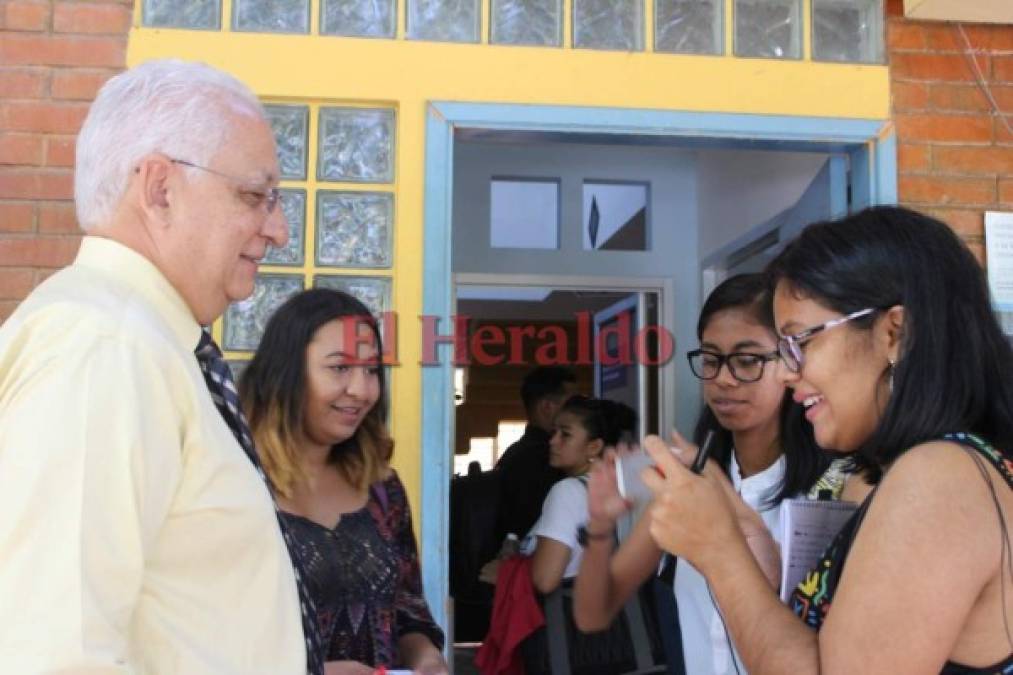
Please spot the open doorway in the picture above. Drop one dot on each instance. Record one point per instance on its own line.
(599, 334)
(589, 237)
(764, 164)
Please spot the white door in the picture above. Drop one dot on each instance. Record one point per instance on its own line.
(619, 372)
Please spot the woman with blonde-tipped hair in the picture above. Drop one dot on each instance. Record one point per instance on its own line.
(314, 396)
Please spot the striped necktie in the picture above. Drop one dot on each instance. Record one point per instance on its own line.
(219, 380)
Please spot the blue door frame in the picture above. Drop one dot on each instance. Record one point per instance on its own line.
(870, 144)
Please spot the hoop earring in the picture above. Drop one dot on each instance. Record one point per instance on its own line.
(892, 364)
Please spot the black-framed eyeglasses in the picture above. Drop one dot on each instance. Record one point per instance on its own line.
(744, 366)
(269, 198)
(790, 346)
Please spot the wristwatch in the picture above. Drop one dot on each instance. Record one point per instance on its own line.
(583, 536)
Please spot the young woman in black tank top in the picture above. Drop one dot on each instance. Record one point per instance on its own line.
(889, 341)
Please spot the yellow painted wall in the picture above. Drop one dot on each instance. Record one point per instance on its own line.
(405, 74)
(410, 72)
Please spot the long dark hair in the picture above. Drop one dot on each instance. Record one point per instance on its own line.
(805, 461)
(273, 386)
(955, 364)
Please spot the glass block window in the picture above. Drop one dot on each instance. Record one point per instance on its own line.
(689, 26)
(524, 213)
(200, 14)
(768, 28)
(244, 321)
(615, 217)
(354, 228)
(527, 22)
(291, 132)
(237, 366)
(358, 18)
(848, 30)
(374, 292)
(293, 204)
(334, 227)
(356, 145)
(608, 24)
(271, 16)
(443, 20)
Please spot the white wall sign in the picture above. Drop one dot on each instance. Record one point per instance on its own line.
(999, 252)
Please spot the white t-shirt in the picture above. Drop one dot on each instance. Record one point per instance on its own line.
(563, 511)
(704, 643)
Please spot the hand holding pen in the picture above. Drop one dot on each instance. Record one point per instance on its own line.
(699, 517)
(692, 515)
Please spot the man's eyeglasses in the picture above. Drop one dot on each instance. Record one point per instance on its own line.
(790, 346)
(744, 366)
(269, 198)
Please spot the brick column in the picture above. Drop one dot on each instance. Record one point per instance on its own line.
(955, 154)
(53, 58)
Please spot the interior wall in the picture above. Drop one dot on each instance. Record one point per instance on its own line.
(699, 201)
(739, 189)
(672, 218)
(672, 207)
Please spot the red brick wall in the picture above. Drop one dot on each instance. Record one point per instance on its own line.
(53, 57)
(955, 155)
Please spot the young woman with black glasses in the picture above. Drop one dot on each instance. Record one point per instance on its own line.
(761, 442)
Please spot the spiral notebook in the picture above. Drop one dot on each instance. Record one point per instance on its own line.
(807, 528)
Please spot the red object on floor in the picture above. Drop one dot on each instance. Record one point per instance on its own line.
(516, 614)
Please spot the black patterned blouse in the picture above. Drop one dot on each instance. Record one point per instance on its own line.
(364, 577)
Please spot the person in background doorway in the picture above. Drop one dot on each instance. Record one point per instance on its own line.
(314, 395)
(551, 552)
(524, 470)
(584, 428)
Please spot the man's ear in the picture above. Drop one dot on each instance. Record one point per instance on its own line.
(889, 332)
(152, 176)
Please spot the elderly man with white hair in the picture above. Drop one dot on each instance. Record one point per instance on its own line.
(137, 533)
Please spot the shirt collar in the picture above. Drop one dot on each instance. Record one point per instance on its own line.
(117, 260)
(760, 486)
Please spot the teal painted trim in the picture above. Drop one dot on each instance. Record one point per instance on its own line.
(437, 393)
(886, 168)
(683, 142)
(838, 186)
(863, 188)
(874, 171)
(658, 122)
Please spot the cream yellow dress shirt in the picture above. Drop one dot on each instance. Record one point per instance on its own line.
(135, 535)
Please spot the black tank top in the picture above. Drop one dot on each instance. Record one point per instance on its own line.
(812, 598)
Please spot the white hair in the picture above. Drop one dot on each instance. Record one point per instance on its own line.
(181, 109)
